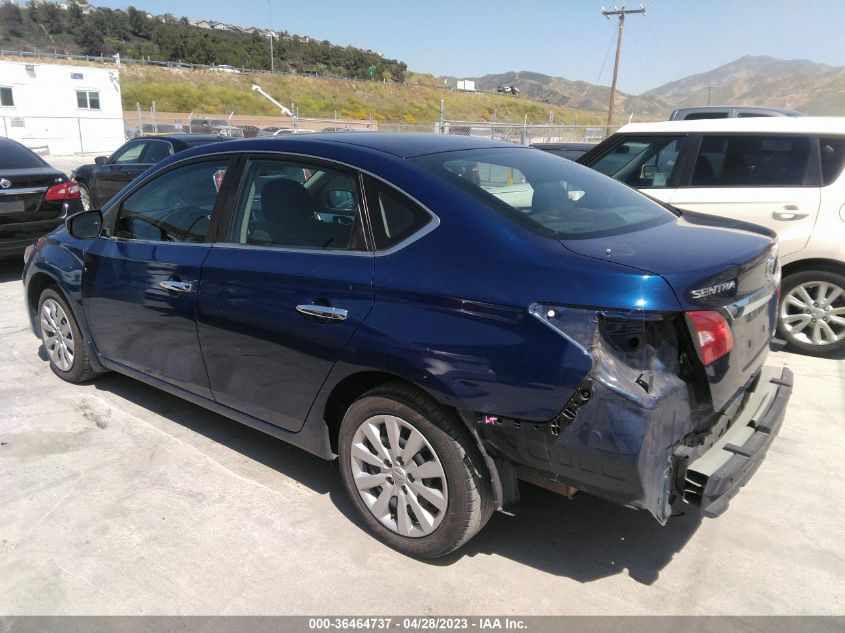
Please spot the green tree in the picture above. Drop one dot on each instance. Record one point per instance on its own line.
(11, 17)
(75, 18)
(51, 17)
(139, 23)
(33, 10)
(90, 39)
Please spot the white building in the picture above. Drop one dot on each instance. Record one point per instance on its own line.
(65, 109)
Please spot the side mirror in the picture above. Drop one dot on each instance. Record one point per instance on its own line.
(86, 225)
(648, 172)
(101, 160)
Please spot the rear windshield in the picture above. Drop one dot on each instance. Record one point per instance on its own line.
(16, 156)
(554, 198)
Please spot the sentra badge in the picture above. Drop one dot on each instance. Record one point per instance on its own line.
(718, 289)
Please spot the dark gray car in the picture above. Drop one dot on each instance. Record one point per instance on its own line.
(101, 181)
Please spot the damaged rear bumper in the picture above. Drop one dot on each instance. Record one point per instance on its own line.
(717, 469)
(641, 429)
(648, 458)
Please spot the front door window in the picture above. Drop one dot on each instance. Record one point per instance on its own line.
(642, 162)
(175, 207)
(129, 154)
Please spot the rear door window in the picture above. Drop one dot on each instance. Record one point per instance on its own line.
(298, 204)
(751, 161)
(156, 151)
(642, 162)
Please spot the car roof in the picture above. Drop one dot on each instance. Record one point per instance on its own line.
(778, 124)
(401, 145)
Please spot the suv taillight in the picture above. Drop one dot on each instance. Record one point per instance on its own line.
(63, 191)
(714, 334)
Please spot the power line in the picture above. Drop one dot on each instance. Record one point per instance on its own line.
(666, 57)
(620, 13)
(606, 55)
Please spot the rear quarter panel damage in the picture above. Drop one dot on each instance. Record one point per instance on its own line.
(616, 436)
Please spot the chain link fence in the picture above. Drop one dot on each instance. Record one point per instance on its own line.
(526, 134)
(246, 126)
(233, 125)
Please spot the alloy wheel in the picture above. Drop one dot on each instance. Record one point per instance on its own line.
(57, 335)
(813, 313)
(85, 196)
(399, 476)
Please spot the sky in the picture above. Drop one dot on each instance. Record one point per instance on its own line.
(566, 38)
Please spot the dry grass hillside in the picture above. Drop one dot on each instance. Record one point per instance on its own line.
(414, 102)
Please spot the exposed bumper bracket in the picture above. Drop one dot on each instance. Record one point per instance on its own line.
(715, 477)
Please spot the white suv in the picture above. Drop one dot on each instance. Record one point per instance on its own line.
(783, 173)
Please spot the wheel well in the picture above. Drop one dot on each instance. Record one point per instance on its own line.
(830, 265)
(348, 391)
(38, 284)
(353, 387)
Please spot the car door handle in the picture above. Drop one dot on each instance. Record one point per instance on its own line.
(788, 215)
(175, 286)
(322, 312)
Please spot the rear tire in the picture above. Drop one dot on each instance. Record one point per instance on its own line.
(811, 315)
(424, 503)
(62, 340)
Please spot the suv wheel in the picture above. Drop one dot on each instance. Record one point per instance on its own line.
(414, 477)
(811, 316)
(62, 340)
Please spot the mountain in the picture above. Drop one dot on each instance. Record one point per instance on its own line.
(580, 95)
(798, 84)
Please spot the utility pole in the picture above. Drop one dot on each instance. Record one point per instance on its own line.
(621, 12)
(270, 25)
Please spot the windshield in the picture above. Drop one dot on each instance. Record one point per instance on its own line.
(552, 197)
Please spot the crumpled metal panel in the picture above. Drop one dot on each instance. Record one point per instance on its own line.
(621, 439)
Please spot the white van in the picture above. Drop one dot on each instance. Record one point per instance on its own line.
(785, 173)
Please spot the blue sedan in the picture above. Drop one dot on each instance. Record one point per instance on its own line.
(445, 316)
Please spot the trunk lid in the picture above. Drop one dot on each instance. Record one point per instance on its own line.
(21, 200)
(711, 264)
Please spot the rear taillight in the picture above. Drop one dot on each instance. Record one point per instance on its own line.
(714, 334)
(63, 191)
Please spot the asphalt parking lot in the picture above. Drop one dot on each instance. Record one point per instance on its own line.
(120, 499)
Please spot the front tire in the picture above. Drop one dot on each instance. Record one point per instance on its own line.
(62, 339)
(412, 473)
(85, 197)
(811, 315)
